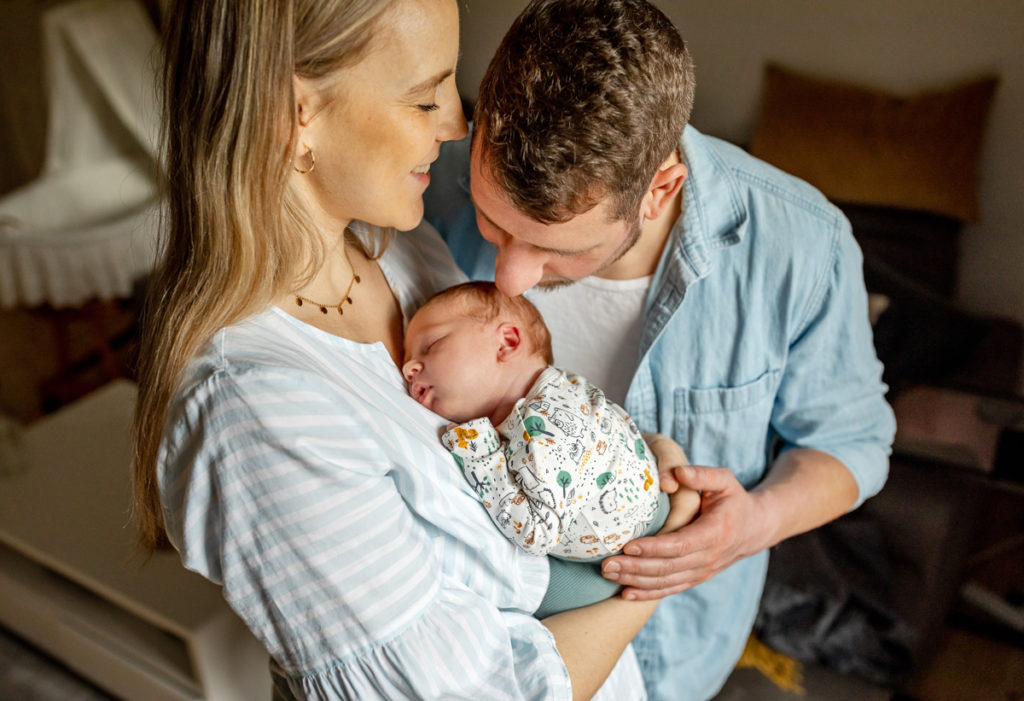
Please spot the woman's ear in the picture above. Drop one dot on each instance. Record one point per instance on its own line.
(304, 138)
(666, 184)
(305, 98)
(510, 340)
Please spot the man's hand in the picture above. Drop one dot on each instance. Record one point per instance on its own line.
(732, 525)
(804, 489)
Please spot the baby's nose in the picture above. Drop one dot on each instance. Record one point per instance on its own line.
(411, 369)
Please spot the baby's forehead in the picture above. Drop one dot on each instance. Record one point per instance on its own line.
(456, 307)
(446, 310)
(448, 303)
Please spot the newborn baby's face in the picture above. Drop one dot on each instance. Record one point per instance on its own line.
(451, 363)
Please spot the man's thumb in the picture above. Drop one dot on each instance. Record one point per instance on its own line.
(699, 477)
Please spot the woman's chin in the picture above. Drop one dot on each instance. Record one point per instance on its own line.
(410, 219)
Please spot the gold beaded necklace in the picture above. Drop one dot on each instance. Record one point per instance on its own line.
(299, 299)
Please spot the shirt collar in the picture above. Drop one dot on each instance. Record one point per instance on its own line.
(713, 214)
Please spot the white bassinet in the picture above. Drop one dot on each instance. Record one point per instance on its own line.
(86, 228)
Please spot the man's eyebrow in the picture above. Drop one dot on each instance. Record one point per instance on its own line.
(557, 251)
(431, 82)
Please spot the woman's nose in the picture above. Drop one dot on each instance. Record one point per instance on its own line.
(411, 369)
(453, 122)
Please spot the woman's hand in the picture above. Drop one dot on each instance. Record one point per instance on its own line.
(684, 503)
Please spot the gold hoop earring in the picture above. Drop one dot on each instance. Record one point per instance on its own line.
(312, 162)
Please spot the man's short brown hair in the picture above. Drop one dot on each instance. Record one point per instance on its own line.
(583, 100)
(485, 303)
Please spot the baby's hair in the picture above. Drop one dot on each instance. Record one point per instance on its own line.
(485, 303)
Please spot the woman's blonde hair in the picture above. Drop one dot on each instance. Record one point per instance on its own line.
(235, 236)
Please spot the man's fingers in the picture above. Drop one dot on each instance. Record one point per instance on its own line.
(640, 594)
(704, 479)
(664, 546)
(661, 575)
(638, 571)
(625, 569)
(694, 538)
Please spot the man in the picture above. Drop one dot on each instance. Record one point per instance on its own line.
(720, 300)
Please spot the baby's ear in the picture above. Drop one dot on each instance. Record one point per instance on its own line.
(510, 339)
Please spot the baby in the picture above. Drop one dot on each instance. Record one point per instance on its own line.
(560, 469)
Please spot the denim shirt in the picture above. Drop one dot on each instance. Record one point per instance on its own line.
(756, 340)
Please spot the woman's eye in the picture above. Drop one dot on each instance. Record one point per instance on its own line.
(429, 108)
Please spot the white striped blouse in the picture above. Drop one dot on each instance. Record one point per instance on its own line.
(298, 474)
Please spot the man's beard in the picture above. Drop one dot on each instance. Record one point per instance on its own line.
(631, 238)
(627, 244)
(554, 284)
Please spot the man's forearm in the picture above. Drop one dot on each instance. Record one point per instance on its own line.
(804, 489)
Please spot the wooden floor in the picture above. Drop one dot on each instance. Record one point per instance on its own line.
(967, 666)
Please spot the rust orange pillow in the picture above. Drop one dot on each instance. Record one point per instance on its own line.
(857, 144)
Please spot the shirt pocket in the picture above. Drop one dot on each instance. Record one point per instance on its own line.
(728, 426)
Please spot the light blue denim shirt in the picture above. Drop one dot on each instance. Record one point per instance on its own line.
(756, 340)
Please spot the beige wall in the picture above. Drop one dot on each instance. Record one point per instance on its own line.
(905, 46)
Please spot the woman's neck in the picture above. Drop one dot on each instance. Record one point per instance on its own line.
(350, 297)
(336, 269)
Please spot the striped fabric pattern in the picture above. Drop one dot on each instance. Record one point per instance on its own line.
(297, 473)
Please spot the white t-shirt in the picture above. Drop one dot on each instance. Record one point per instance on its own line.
(595, 327)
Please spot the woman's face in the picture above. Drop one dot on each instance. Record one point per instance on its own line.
(376, 134)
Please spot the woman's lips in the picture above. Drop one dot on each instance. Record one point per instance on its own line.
(422, 173)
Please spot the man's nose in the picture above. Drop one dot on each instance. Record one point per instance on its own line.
(411, 369)
(516, 271)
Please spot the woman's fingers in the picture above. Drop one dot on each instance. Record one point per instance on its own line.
(669, 455)
(684, 505)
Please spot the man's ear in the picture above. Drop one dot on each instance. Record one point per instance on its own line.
(664, 187)
(510, 340)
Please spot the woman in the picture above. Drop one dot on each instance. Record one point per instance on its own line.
(277, 449)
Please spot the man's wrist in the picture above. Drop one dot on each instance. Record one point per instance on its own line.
(770, 530)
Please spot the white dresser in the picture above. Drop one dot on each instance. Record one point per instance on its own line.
(141, 629)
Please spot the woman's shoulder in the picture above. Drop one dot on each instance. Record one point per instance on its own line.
(270, 352)
(265, 341)
(269, 382)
